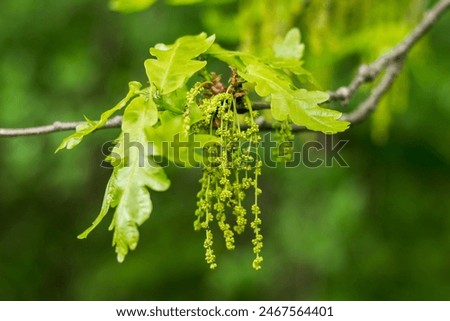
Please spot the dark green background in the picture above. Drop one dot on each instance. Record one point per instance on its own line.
(377, 230)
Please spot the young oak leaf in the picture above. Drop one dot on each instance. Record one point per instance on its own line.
(300, 105)
(169, 140)
(287, 55)
(134, 203)
(133, 176)
(109, 200)
(127, 190)
(303, 109)
(175, 64)
(89, 126)
(236, 59)
(141, 113)
(289, 48)
(136, 177)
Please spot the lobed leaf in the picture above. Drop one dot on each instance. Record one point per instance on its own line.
(299, 105)
(142, 112)
(236, 59)
(134, 174)
(134, 203)
(108, 201)
(289, 48)
(171, 141)
(287, 55)
(174, 101)
(175, 64)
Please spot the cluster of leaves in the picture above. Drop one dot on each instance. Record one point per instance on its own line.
(203, 116)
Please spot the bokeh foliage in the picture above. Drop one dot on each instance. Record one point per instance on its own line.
(376, 230)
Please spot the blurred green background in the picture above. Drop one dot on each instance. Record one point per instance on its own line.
(376, 230)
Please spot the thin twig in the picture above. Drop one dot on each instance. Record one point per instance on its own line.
(57, 126)
(370, 104)
(391, 63)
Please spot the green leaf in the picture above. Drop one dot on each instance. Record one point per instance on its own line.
(170, 140)
(236, 59)
(142, 112)
(267, 80)
(108, 201)
(300, 105)
(134, 205)
(170, 125)
(132, 145)
(270, 79)
(174, 101)
(287, 55)
(129, 6)
(134, 174)
(174, 64)
(88, 127)
(195, 113)
(289, 48)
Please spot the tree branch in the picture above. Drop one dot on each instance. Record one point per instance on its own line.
(57, 126)
(370, 104)
(391, 63)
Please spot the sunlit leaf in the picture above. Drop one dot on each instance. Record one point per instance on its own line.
(134, 204)
(171, 141)
(129, 6)
(235, 59)
(300, 105)
(139, 114)
(134, 174)
(290, 47)
(108, 201)
(175, 64)
(174, 101)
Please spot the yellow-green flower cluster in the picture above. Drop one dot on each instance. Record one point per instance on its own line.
(284, 137)
(230, 174)
(191, 97)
